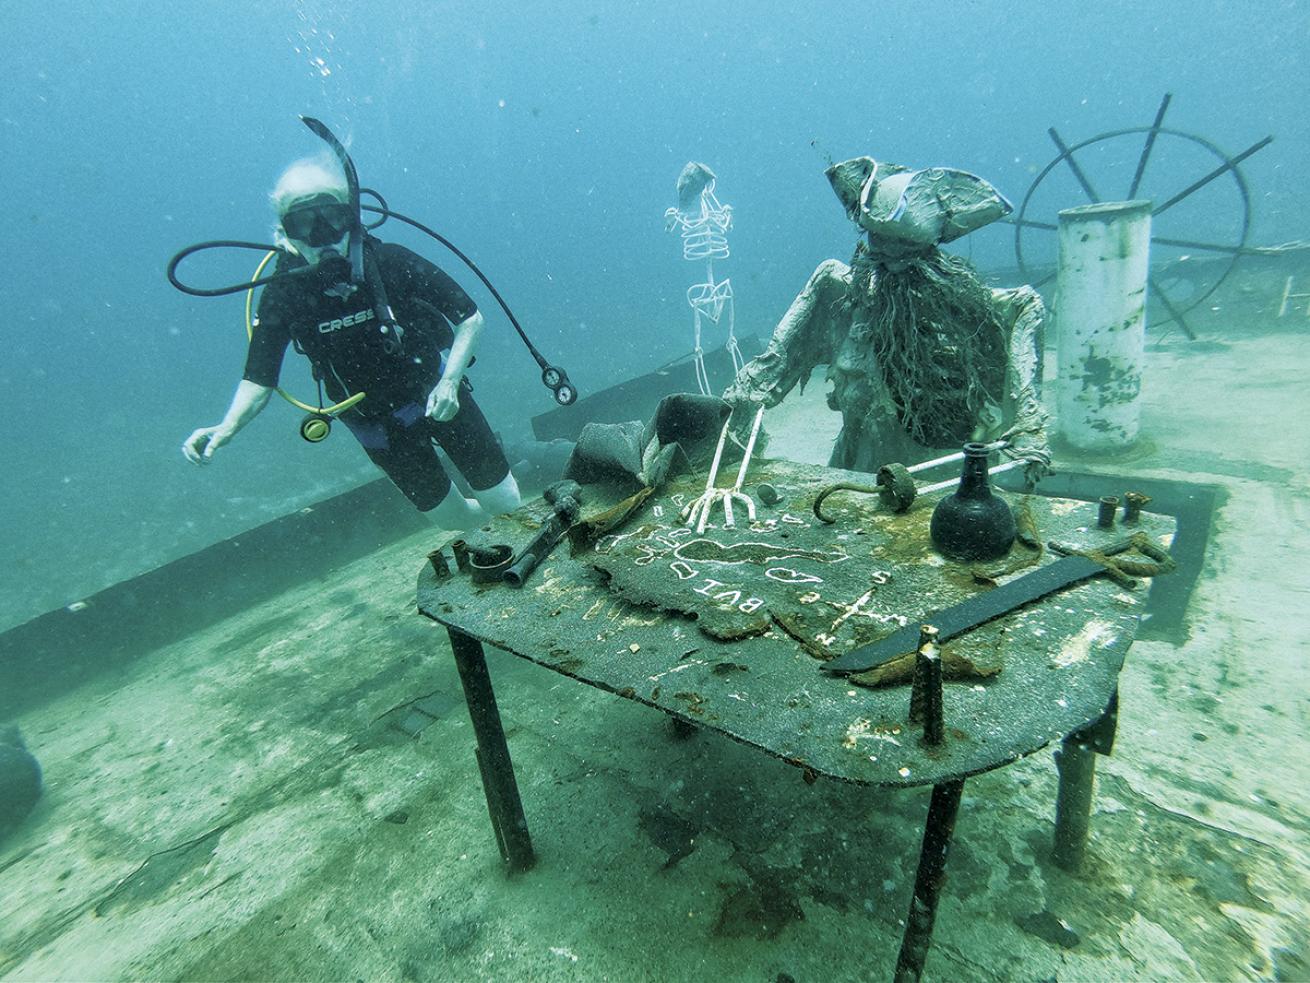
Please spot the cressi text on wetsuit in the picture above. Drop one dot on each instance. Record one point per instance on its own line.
(339, 330)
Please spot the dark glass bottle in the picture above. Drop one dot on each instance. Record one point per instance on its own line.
(972, 524)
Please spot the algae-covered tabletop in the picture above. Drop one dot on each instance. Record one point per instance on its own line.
(728, 629)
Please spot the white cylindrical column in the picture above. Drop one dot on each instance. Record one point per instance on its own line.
(1101, 319)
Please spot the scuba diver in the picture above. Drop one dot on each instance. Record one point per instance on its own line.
(389, 335)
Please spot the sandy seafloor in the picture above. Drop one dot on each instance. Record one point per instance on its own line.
(292, 834)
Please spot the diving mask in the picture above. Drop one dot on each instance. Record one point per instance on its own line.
(318, 221)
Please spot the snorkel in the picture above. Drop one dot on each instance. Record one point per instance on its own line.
(355, 250)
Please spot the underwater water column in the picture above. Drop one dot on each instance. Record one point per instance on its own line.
(1101, 320)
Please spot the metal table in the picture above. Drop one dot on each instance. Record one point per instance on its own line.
(727, 631)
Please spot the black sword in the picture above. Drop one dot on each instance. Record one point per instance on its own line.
(958, 619)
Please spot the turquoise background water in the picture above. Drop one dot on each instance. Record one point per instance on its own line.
(545, 139)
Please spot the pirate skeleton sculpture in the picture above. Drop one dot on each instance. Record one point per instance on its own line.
(703, 222)
(922, 355)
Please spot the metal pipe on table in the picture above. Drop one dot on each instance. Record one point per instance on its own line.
(929, 665)
(952, 458)
(1106, 511)
(952, 482)
(565, 500)
(1134, 502)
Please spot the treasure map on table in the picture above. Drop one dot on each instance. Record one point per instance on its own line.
(830, 589)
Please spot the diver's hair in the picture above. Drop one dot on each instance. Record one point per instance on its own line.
(307, 177)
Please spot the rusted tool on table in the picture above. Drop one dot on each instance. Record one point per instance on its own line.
(565, 499)
(895, 485)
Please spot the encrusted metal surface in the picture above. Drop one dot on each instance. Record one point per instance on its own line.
(727, 629)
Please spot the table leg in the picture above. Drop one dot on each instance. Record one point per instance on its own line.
(937, 833)
(1076, 763)
(502, 791)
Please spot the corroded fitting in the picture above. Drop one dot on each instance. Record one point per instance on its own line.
(461, 551)
(896, 487)
(1105, 515)
(440, 566)
(1133, 505)
(487, 566)
(926, 690)
(918, 694)
(934, 722)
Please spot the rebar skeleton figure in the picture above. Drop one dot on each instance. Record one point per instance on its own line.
(703, 222)
(921, 354)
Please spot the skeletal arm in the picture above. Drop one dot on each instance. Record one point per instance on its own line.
(803, 339)
(1023, 419)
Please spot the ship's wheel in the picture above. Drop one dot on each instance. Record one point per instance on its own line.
(1201, 208)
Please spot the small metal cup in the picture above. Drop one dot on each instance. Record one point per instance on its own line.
(1133, 503)
(461, 551)
(440, 565)
(1105, 514)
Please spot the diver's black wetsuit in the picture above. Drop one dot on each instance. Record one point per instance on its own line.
(342, 337)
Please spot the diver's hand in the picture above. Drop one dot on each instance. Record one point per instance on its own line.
(443, 401)
(200, 446)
